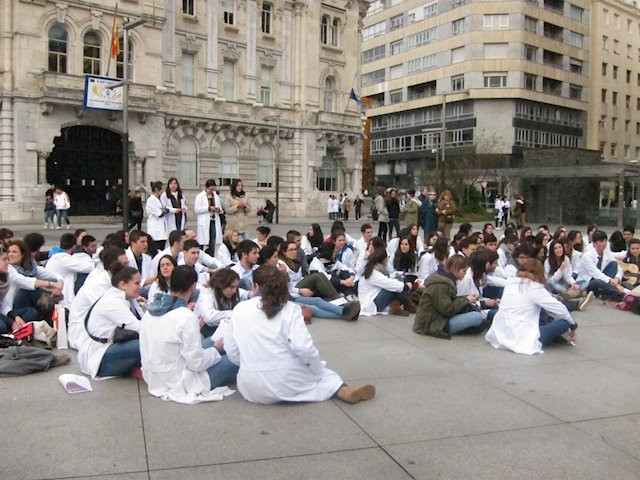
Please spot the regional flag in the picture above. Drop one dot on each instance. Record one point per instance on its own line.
(356, 98)
(115, 39)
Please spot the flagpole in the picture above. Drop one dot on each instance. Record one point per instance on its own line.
(115, 19)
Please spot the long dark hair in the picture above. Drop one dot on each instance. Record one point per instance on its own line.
(220, 280)
(275, 291)
(440, 249)
(168, 190)
(479, 260)
(317, 238)
(25, 262)
(571, 236)
(377, 257)
(122, 273)
(163, 284)
(234, 184)
(292, 264)
(405, 262)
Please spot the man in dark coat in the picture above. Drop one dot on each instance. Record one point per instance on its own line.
(428, 220)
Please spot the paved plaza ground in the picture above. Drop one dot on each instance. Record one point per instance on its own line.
(445, 409)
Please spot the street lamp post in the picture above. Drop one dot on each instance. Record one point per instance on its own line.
(277, 119)
(125, 120)
(443, 141)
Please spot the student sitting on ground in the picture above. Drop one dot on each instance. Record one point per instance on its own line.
(362, 243)
(628, 233)
(312, 241)
(163, 273)
(262, 235)
(97, 355)
(517, 326)
(314, 290)
(441, 312)
(403, 262)
(483, 263)
(215, 303)
(277, 358)
(268, 256)
(248, 255)
(599, 269)
(337, 261)
(559, 273)
(98, 282)
(466, 247)
(574, 237)
(377, 291)
(226, 253)
(633, 258)
(505, 250)
(430, 261)
(175, 364)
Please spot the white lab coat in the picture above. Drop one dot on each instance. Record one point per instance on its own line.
(204, 217)
(561, 275)
(147, 265)
(588, 268)
(171, 216)
(360, 247)
(369, 288)
(174, 364)
(17, 281)
(277, 358)
(112, 310)
(305, 245)
(156, 219)
(66, 266)
(156, 260)
(516, 325)
(98, 282)
(224, 257)
(427, 264)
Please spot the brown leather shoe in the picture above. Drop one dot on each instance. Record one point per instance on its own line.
(356, 394)
(395, 308)
(351, 311)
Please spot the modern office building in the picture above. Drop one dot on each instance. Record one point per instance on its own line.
(509, 74)
(212, 83)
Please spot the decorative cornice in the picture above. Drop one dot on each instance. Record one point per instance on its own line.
(231, 51)
(189, 44)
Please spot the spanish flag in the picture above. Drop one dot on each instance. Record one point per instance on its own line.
(115, 39)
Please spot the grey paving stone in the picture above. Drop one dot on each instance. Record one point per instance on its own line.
(234, 430)
(611, 341)
(622, 433)
(553, 452)
(59, 436)
(369, 463)
(379, 358)
(118, 476)
(439, 405)
(572, 391)
(626, 364)
(326, 330)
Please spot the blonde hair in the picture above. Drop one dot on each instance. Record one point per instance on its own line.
(445, 192)
(227, 236)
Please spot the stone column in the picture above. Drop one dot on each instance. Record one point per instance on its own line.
(287, 59)
(212, 48)
(7, 151)
(297, 37)
(42, 167)
(250, 66)
(168, 45)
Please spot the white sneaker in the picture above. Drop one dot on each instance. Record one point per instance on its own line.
(57, 227)
(584, 304)
(68, 227)
(46, 225)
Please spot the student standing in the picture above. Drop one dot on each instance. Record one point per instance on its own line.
(173, 200)
(208, 208)
(156, 221)
(237, 208)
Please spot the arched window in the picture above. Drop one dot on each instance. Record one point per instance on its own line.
(228, 163)
(329, 94)
(324, 29)
(187, 171)
(58, 49)
(120, 61)
(335, 32)
(265, 166)
(328, 173)
(91, 57)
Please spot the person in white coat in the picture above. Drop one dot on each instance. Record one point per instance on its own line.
(277, 358)
(497, 209)
(208, 208)
(177, 364)
(517, 325)
(98, 282)
(216, 301)
(97, 356)
(138, 258)
(436, 256)
(559, 272)
(377, 292)
(64, 265)
(173, 200)
(156, 213)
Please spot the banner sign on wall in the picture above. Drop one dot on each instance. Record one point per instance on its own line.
(100, 95)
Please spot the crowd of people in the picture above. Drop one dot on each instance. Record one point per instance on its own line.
(192, 311)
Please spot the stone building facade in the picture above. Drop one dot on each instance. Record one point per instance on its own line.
(211, 79)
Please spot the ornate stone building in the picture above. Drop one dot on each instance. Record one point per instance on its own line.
(210, 81)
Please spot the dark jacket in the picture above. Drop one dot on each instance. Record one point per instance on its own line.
(438, 303)
(393, 207)
(427, 215)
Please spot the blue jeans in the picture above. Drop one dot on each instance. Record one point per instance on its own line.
(223, 372)
(394, 223)
(491, 291)
(26, 298)
(212, 237)
(120, 358)
(49, 216)
(604, 289)
(561, 287)
(62, 212)
(552, 330)
(385, 297)
(321, 308)
(462, 321)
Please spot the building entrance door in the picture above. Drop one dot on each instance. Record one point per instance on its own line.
(86, 163)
